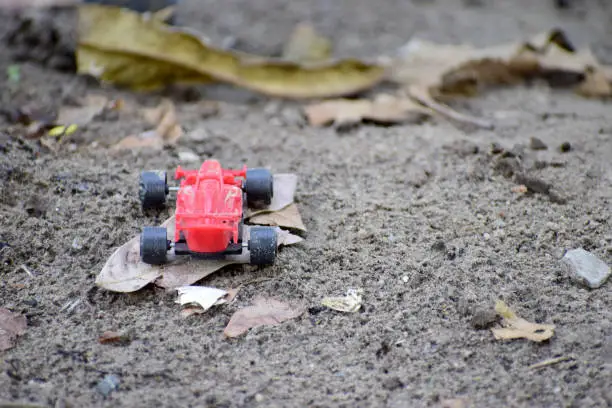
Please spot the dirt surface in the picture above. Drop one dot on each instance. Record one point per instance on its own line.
(422, 217)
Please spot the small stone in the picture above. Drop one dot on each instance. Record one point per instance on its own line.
(392, 383)
(108, 384)
(483, 318)
(259, 398)
(537, 144)
(188, 156)
(565, 147)
(496, 148)
(586, 267)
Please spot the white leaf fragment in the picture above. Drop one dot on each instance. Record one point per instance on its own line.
(204, 296)
(350, 303)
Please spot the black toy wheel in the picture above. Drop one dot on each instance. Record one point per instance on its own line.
(263, 245)
(154, 245)
(153, 189)
(259, 187)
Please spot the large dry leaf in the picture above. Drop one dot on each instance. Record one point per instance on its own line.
(167, 131)
(385, 109)
(516, 327)
(284, 191)
(12, 325)
(263, 312)
(288, 217)
(465, 69)
(125, 272)
(124, 48)
(305, 45)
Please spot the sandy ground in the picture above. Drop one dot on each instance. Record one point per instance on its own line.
(420, 216)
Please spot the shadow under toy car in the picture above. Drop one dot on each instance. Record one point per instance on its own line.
(209, 217)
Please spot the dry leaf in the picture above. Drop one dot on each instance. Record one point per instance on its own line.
(305, 45)
(12, 325)
(288, 217)
(516, 327)
(125, 272)
(383, 109)
(111, 337)
(350, 303)
(91, 106)
(122, 47)
(287, 238)
(520, 189)
(263, 312)
(201, 295)
(284, 191)
(464, 69)
(454, 403)
(167, 131)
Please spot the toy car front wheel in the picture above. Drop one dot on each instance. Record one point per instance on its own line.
(154, 245)
(153, 188)
(259, 187)
(263, 245)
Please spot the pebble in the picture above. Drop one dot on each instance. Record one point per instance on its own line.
(537, 144)
(565, 147)
(108, 384)
(188, 156)
(483, 318)
(586, 267)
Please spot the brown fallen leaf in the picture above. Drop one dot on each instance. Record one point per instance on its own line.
(516, 327)
(305, 45)
(124, 48)
(384, 109)
(90, 107)
(125, 272)
(445, 70)
(285, 186)
(111, 337)
(520, 189)
(167, 131)
(12, 325)
(263, 312)
(288, 217)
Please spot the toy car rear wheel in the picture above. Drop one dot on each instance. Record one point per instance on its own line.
(154, 245)
(153, 188)
(263, 245)
(259, 187)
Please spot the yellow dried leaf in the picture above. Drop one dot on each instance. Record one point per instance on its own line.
(350, 303)
(123, 48)
(516, 327)
(305, 45)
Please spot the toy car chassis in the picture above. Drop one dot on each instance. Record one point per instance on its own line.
(209, 217)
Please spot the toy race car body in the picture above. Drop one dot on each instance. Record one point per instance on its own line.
(209, 217)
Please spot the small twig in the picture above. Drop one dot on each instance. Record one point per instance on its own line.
(426, 100)
(550, 361)
(25, 269)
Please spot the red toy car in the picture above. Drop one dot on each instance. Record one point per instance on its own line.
(210, 204)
